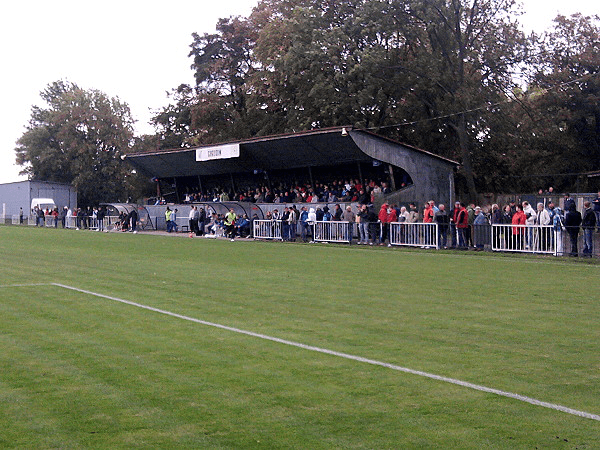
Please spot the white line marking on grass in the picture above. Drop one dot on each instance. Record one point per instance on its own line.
(23, 285)
(465, 384)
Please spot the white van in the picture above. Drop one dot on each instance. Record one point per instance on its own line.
(43, 203)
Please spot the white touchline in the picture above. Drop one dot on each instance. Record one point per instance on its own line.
(466, 384)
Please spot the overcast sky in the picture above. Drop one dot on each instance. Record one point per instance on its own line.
(132, 49)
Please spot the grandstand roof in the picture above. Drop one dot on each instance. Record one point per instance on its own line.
(322, 147)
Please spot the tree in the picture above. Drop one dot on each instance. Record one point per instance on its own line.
(567, 105)
(79, 139)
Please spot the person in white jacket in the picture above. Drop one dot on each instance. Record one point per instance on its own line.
(543, 231)
(530, 222)
(312, 218)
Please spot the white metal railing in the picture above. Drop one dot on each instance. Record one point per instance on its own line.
(333, 231)
(527, 239)
(267, 229)
(414, 234)
(15, 219)
(91, 223)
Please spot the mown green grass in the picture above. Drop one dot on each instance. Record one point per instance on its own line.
(80, 371)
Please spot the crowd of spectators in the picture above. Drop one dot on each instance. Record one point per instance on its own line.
(461, 226)
(216, 225)
(335, 191)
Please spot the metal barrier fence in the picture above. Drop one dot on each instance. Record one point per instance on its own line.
(333, 232)
(267, 229)
(414, 234)
(527, 239)
(72, 222)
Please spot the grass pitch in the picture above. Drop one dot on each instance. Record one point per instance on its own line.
(79, 370)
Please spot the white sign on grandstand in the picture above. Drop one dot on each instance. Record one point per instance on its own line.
(218, 152)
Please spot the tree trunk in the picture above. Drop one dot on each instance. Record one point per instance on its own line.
(463, 142)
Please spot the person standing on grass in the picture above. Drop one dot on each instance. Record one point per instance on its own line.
(596, 203)
(133, 217)
(462, 225)
(311, 220)
(519, 218)
(588, 224)
(303, 220)
(350, 217)
(572, 223)
(174, 220)
(193, 221)
(443, 221)
(230, 219)
(168, 214)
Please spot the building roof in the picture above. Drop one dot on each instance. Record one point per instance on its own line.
(321, 147)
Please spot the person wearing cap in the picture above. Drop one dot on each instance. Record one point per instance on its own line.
(568, 202)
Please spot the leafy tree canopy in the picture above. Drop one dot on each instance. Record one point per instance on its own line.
(78, 138)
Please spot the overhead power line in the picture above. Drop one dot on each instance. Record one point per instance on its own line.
(485, 107)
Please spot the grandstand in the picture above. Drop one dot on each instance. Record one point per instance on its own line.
(412, 174)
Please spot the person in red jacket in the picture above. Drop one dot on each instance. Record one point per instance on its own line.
(519, 218)
(462, 222)
(386, 216)
(428, 212)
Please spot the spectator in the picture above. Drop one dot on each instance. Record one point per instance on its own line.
(243, 226)
(193, 221)
(596, 203)
(543, 232)
(496, 218)
(462, 225)
(469, 228)
(443, 221)
(588, 224)
(481, 230)
(518, 219)
(174, 221)
(303, 220)
(558, 225)
(350, 217)
(100, 216)
(385, 224)
(311, 220)
(285, 224)
(133, 219)
(363, 224)
(428, 213)
(453, 220)
(293, 220)
(568, 202)
(572, 223)
(531, 217)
